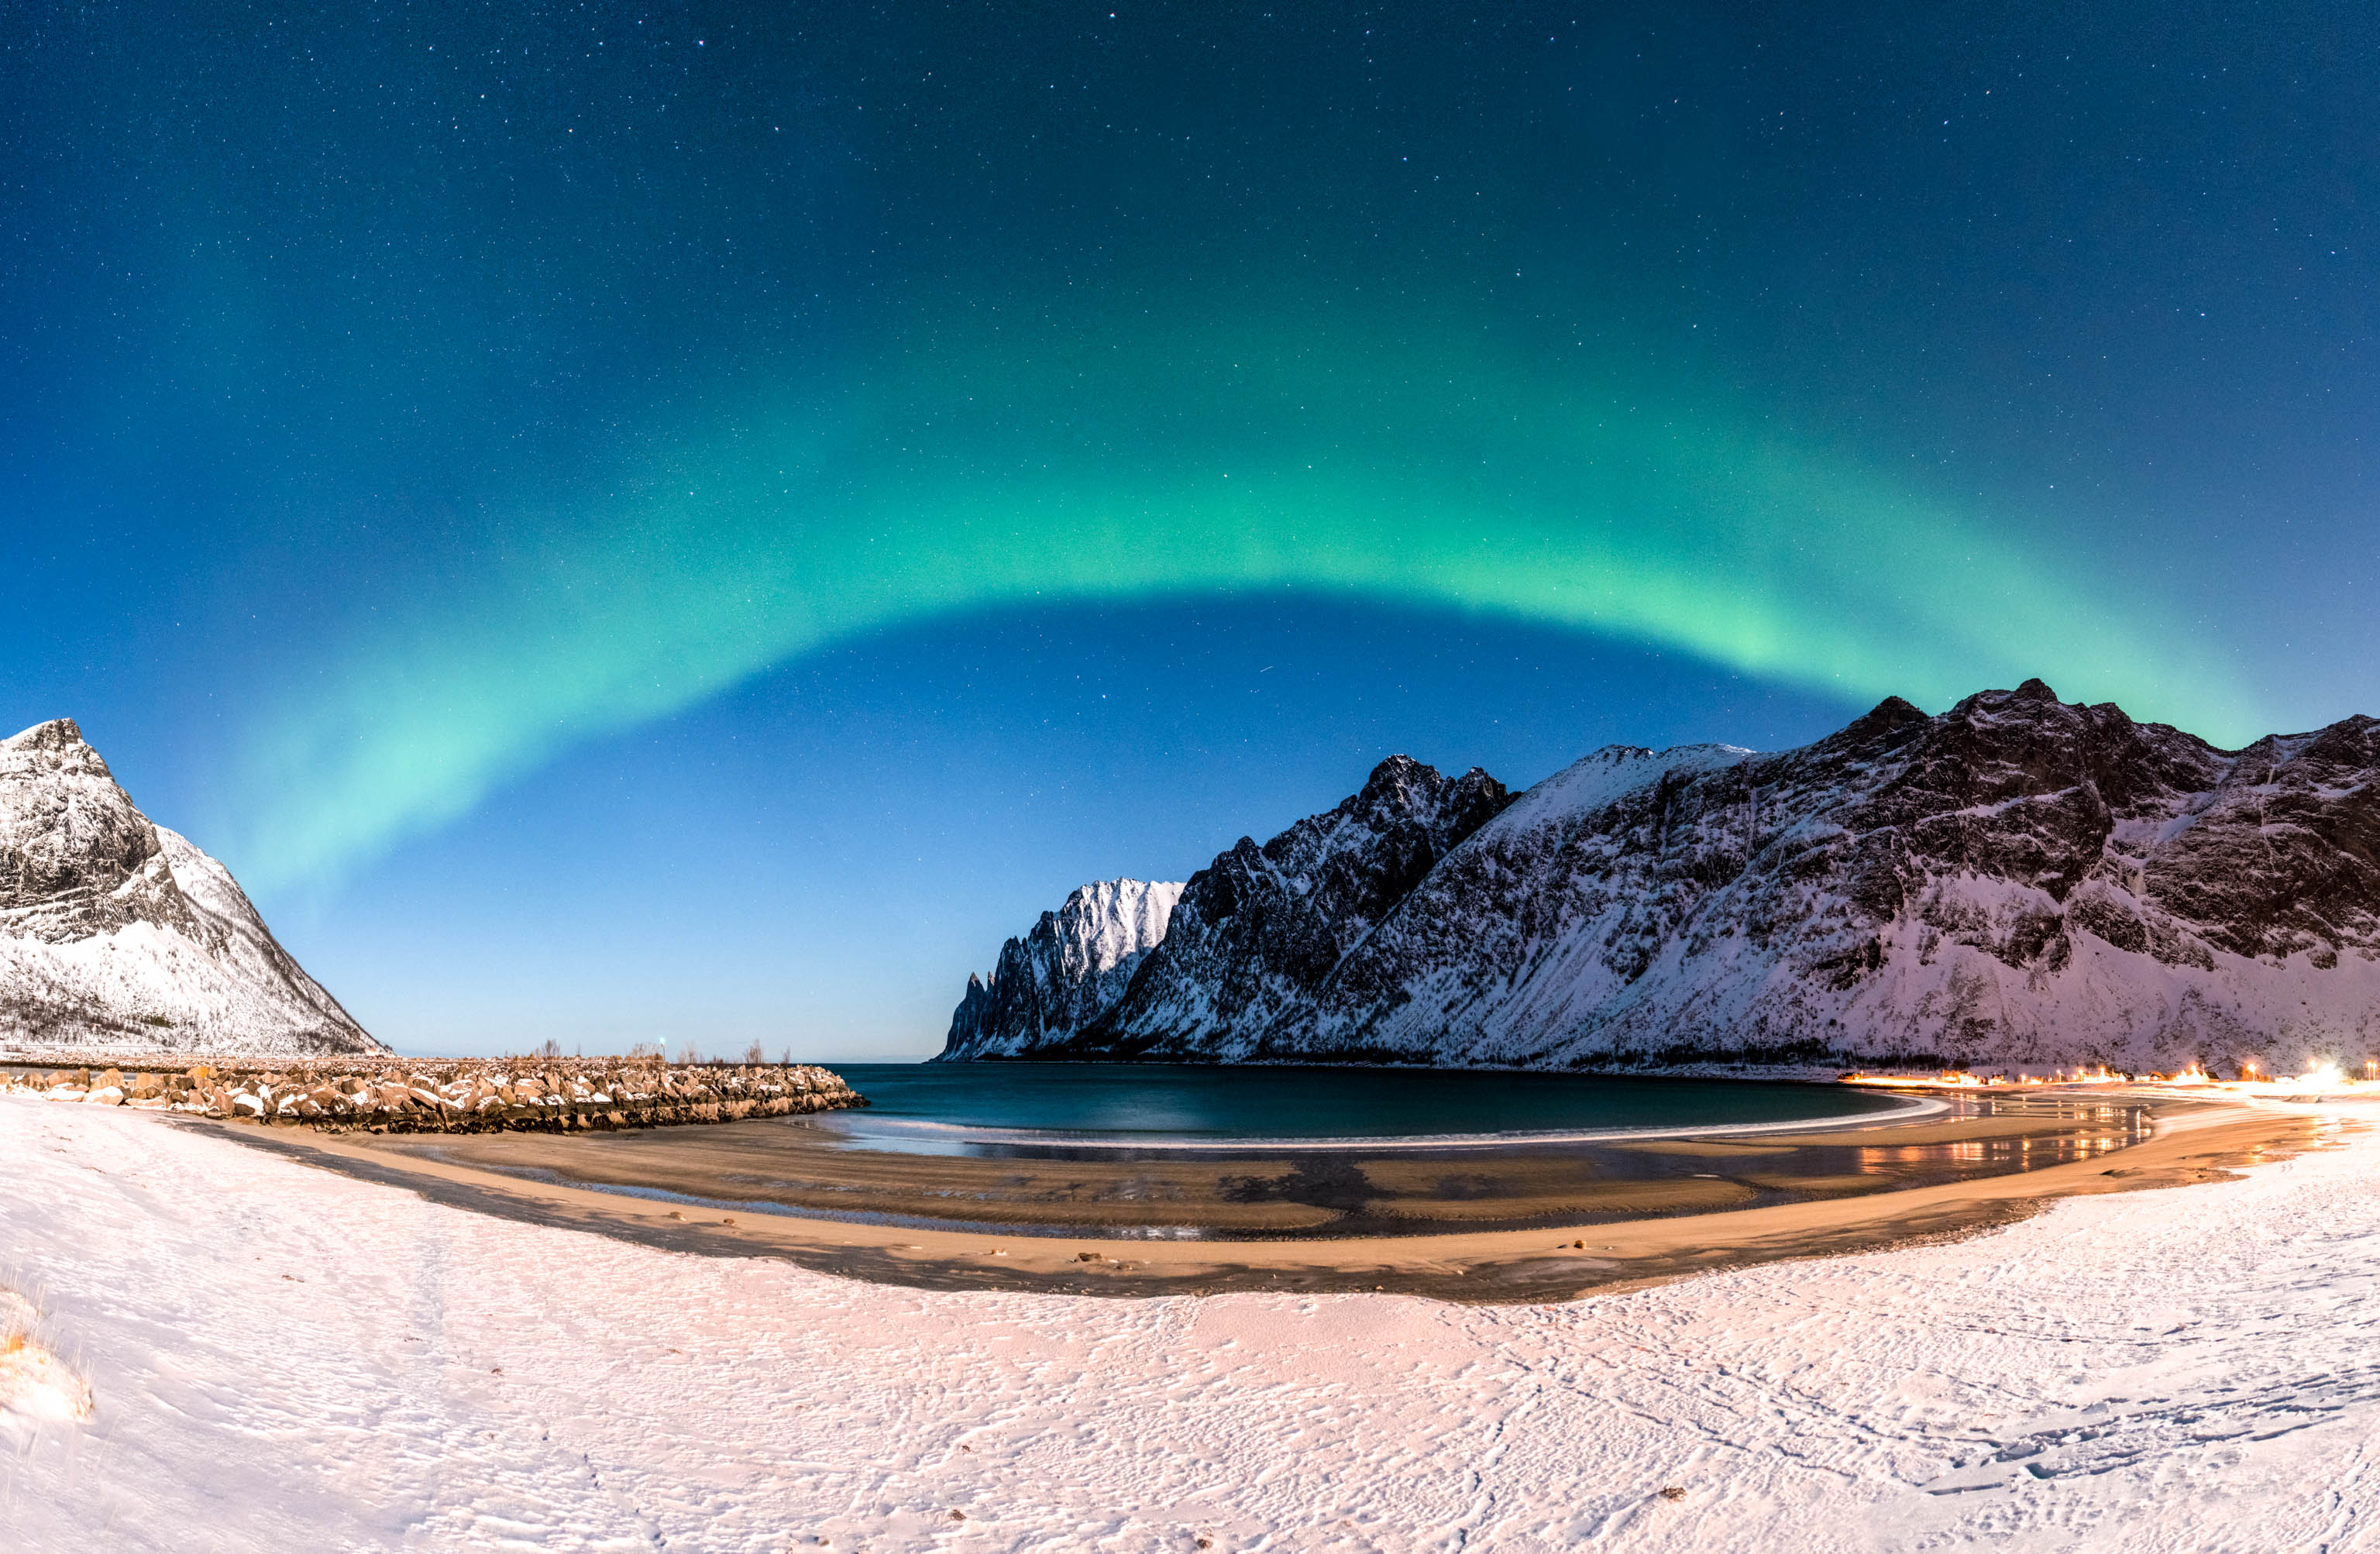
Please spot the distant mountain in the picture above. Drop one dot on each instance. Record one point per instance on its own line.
(115, 932)
(1259, 932)
(1064, 973)
(2017, 882)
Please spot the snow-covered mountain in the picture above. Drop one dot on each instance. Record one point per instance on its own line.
(1258, 932)
(2017, 882)
(1066, 972)
(117, 932)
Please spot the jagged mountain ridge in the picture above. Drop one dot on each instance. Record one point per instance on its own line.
(1258, 932)
(1064, 972)
(2017, 882)
(118, 932)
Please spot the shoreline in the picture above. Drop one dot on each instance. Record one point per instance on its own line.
(1912, 1108)
(2191, 1140)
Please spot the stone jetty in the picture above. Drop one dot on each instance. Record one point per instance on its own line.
(475, 1095)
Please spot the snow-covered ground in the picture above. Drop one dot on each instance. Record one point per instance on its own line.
(281, 1358)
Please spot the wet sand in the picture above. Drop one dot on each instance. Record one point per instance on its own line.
(1069, 1223)
(1259, 1192)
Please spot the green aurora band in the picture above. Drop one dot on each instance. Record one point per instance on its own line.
(1394, 464)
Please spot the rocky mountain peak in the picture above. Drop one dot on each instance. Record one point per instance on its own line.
(1885, 718)
(1403, 794)
(76, 858)
(115, 932)
(60, 738)
(1066, 972)
(1261, 928)
(1396, 777)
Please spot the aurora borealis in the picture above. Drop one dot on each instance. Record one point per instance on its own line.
(423, 427)
(1004, 478)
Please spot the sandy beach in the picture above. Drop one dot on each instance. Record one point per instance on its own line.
(1669, 1226)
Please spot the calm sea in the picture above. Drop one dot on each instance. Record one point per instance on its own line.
(932, 1106)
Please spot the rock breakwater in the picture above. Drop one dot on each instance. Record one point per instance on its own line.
(539, 1095)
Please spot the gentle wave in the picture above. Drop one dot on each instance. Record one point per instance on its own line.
(860, 1125)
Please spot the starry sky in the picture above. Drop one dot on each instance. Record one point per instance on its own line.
(693, 522)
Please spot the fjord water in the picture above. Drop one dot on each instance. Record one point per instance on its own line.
(913, 1106)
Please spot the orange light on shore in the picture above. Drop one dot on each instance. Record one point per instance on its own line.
(2321, 1074)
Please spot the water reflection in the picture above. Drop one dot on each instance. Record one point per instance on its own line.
(1286, 1191)
(1509, 1185)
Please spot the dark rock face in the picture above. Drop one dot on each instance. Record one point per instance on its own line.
(2017, 882)
(1260, 931)
(115, 932)
(1065, 973)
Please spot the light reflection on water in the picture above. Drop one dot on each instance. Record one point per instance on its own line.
(1159, 1182)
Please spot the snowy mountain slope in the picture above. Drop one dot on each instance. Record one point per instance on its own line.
(115, 932)
(2017, 882)
(1064, 972)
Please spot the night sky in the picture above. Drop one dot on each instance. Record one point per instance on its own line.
(695, 522)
